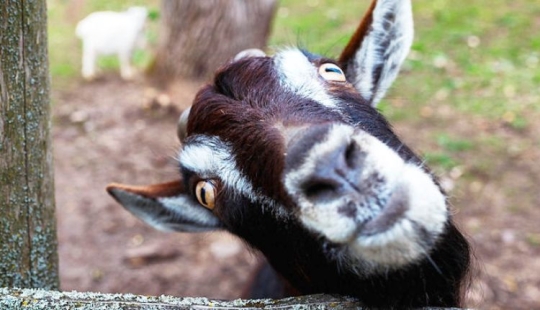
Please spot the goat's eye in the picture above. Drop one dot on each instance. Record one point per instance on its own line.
(331, 72)
(205, 191)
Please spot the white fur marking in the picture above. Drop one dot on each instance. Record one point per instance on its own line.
(301, 77)
(210, 157)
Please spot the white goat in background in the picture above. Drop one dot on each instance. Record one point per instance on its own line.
(109, 33)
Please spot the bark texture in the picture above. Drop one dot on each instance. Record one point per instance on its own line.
(199, 36)
(28, 246)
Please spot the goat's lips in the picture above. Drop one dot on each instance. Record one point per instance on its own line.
(334, 227)
(392, 213)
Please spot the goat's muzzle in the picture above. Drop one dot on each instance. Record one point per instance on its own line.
(357, 192)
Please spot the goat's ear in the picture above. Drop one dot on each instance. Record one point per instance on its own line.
(165, 206)
(372, 58)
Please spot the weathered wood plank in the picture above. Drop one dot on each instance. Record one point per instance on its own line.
(28, 255)
(30, 299)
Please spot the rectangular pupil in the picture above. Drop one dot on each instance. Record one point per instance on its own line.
(203, 196)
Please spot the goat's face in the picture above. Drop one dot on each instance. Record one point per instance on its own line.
(289, 152)
(290, 135)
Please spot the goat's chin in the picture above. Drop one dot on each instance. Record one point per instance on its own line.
(398, 246)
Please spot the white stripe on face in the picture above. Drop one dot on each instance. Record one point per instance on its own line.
(299, 75)
(210, 157)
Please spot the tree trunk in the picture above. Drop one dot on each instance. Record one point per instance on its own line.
(28, 256)
(199, 36)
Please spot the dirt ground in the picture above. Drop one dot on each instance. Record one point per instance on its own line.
(105, 131)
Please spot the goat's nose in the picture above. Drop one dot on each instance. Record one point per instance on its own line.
(327, 163)
(334, 174)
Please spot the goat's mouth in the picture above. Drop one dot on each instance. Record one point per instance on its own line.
(401, 231)
(359, 194)
(391, 215)
(404, 231)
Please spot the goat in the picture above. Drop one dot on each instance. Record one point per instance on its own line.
(290, 154)
(109, 33)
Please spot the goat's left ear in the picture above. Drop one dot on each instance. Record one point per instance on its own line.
(372, 58)
(165, 206)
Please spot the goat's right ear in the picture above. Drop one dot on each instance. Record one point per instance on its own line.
(165, 206)
(372, 58)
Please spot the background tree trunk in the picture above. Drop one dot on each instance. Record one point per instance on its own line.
(28, 256)
(199, 36)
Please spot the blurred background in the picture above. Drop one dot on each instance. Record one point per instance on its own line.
(467, 99)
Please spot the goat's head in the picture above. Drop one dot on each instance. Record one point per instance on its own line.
(289, 153)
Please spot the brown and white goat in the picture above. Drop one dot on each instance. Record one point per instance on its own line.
(290, 154)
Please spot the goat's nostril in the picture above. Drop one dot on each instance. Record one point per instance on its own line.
(352, 155)
(321, 189)
(334, 174)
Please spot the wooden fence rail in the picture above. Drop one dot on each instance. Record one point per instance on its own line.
(40, 299)
(34, 299)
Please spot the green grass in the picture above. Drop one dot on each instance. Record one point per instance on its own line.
(491, 62)
(441, 161)
(454, 145)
